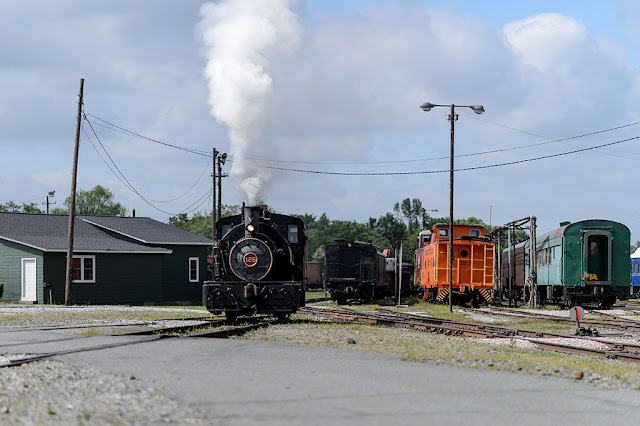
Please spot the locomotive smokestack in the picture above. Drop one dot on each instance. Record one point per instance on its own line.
(251, 217)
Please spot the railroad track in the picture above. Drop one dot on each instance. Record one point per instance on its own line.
(620, 351)
(617, 323)
(94, 326)
(145, 336)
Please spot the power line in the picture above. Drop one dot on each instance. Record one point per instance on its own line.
(457, 170)
(547, 142)
(550, 140)
(494, 151)
(414, 160)
(124, 180)
(129, 132)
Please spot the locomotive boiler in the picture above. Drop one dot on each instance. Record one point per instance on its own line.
(259, 265)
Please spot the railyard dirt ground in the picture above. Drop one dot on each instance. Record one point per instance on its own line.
(512, 354)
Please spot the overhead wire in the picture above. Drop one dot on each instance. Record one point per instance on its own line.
(551, 140)
(129, 132)
(547, 142)
(583, 149)
(494, 151)
(125, 181)
(508, 163)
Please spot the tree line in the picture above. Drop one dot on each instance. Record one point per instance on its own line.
(98, 201)
(403, 223)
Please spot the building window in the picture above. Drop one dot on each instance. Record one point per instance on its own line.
(194, 269)
(84, 269)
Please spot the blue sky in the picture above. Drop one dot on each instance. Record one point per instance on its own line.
(340, 82)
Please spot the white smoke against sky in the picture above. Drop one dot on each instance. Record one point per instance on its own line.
(241, 38)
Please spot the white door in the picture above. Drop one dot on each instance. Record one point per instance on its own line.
(28, 280)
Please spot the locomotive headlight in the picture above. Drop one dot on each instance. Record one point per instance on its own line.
(251, 228)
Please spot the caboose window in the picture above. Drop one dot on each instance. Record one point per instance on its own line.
(443, 232)
(474, 232)
(293, 234)
(194, 269)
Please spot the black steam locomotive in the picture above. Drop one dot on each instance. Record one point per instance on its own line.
(259, 265)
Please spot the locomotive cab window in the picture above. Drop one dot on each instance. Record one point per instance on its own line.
(293, 234)
(225, 230)
(475, 233)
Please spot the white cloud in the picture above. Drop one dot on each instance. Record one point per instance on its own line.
(350, 91)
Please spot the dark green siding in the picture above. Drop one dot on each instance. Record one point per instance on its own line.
(175, 272)
(11, 255)
(120, 278)
(574, 267)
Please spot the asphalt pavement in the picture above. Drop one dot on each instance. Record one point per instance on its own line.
(244, 382)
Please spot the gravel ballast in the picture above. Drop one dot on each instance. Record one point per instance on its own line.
(52, 392)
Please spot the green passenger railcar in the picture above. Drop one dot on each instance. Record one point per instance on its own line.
(585, 262)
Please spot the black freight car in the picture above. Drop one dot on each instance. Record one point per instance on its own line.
(354, 271)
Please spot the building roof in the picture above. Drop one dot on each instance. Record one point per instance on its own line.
(147, 230)
(49, 233)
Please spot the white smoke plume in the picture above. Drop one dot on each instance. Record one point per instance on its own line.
(242, 37)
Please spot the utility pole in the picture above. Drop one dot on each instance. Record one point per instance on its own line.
(72, 203)
(221, 160)
(51, 194)
(213, 213)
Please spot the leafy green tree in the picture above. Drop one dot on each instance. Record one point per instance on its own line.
(635, 246)
(201, 224)
(98, 201)
(13, 207)
(411, 211)
(389, 229)
(31, 208)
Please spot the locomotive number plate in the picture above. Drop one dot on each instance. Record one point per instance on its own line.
(250, 259)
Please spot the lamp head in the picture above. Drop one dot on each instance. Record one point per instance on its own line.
(52, 193)
(223, 158)
(478, 109)
(426, 107)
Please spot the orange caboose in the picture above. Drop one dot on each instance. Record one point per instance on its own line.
(472, 264)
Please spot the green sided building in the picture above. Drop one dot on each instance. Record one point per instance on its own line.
(116, 260)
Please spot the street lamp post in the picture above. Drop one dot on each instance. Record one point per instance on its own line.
(452, 117)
